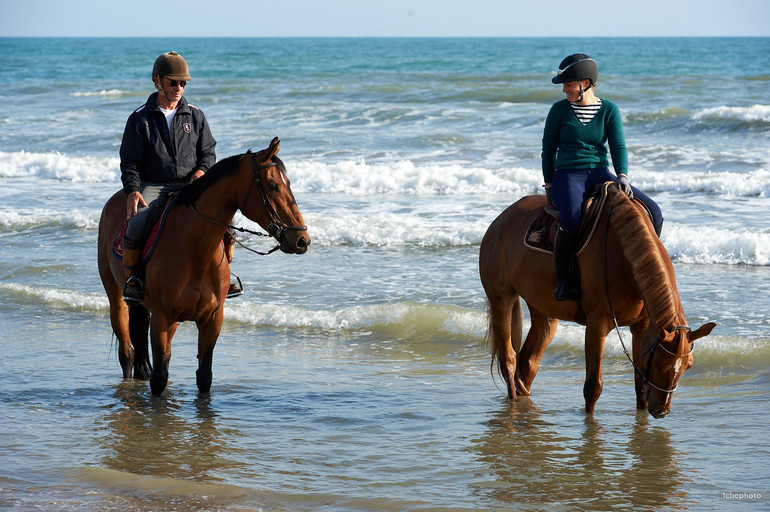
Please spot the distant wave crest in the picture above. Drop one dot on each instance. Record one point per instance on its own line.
(103, 93)
(758, 114)
(410, 321)
(404, 177)
(59, 167)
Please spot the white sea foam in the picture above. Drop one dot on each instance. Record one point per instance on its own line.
(414, 317)
(387, 229)
(102, 93)
(23, 218)
(407, 178)
(726, 184)
(59, 167)
(405, 320)
(698, 244)
(404, 177)
(57, 298)
(751, 114)
(707, 245)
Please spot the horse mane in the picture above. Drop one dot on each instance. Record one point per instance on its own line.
(640, 248)
(222, 169)
(190, 193)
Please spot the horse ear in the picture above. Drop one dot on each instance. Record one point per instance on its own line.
(275, 147)
(665, 335)
(703, 330)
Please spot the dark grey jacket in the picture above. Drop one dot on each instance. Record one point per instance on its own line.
(150, 153)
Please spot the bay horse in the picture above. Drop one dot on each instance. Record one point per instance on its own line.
(627, 279)
(188, 275)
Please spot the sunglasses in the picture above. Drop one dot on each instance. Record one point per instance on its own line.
(174, 83)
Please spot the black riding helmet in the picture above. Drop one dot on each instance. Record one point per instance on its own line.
(577, 66)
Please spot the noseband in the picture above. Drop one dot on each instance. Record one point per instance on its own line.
(276, 228)
(651, 350)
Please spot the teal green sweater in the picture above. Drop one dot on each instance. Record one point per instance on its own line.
(569, 144)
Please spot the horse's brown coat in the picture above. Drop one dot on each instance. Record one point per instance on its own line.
(188, 276)
(642, 289)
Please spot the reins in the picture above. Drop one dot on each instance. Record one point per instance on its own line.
(275, 229)
(644, 376)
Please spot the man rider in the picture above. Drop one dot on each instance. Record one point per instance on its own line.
(166, 145)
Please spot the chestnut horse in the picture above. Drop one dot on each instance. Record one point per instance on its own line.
(626, 277)
(188, 275)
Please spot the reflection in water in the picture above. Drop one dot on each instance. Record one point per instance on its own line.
(163, 436)
(536, 462)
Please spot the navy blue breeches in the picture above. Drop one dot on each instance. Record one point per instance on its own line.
(570, 187)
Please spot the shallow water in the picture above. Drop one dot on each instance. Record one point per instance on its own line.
(303, 420)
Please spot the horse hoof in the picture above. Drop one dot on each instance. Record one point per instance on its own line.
(157, 386)
(203, 382)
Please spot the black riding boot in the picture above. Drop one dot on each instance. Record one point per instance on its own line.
(566, 285)
(133, 290)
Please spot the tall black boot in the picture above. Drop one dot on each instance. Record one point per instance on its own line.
(133, 290)
(566, 285)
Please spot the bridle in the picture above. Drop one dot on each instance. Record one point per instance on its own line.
(645, 376)
(276, 228)
(651, 350)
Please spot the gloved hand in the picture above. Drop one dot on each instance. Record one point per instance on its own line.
(550, 208)
(624, 186)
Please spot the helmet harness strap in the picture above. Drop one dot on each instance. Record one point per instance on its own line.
(582, 91)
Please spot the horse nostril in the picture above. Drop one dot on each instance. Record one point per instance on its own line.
(302, 242)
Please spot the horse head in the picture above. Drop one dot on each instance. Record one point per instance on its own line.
(270, 201)
(668, 355)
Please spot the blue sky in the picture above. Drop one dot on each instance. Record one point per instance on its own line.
(389, 18)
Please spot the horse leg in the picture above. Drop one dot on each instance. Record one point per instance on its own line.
(594, 347)
(539, 337)
(160, 334)
(501, 319)
(119, 319)
(208, 333)
(638, 331)
(138, 326)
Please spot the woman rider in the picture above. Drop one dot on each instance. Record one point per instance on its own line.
(577, 132)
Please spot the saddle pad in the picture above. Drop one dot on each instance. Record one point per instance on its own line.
(541, 232)
(151, 238)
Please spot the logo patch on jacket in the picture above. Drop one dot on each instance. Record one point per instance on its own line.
(186, 127)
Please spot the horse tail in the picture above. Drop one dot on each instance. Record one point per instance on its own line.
(641, 248)
(490, 340)
(495, 342)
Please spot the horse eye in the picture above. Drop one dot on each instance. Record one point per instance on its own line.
(274, 187)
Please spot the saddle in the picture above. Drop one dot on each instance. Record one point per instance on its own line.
(155, 224)
(541, 233)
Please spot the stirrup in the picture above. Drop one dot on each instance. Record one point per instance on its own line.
(133, 290)
(236, 288)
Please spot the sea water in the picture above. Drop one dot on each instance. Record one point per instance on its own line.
(356, 377)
